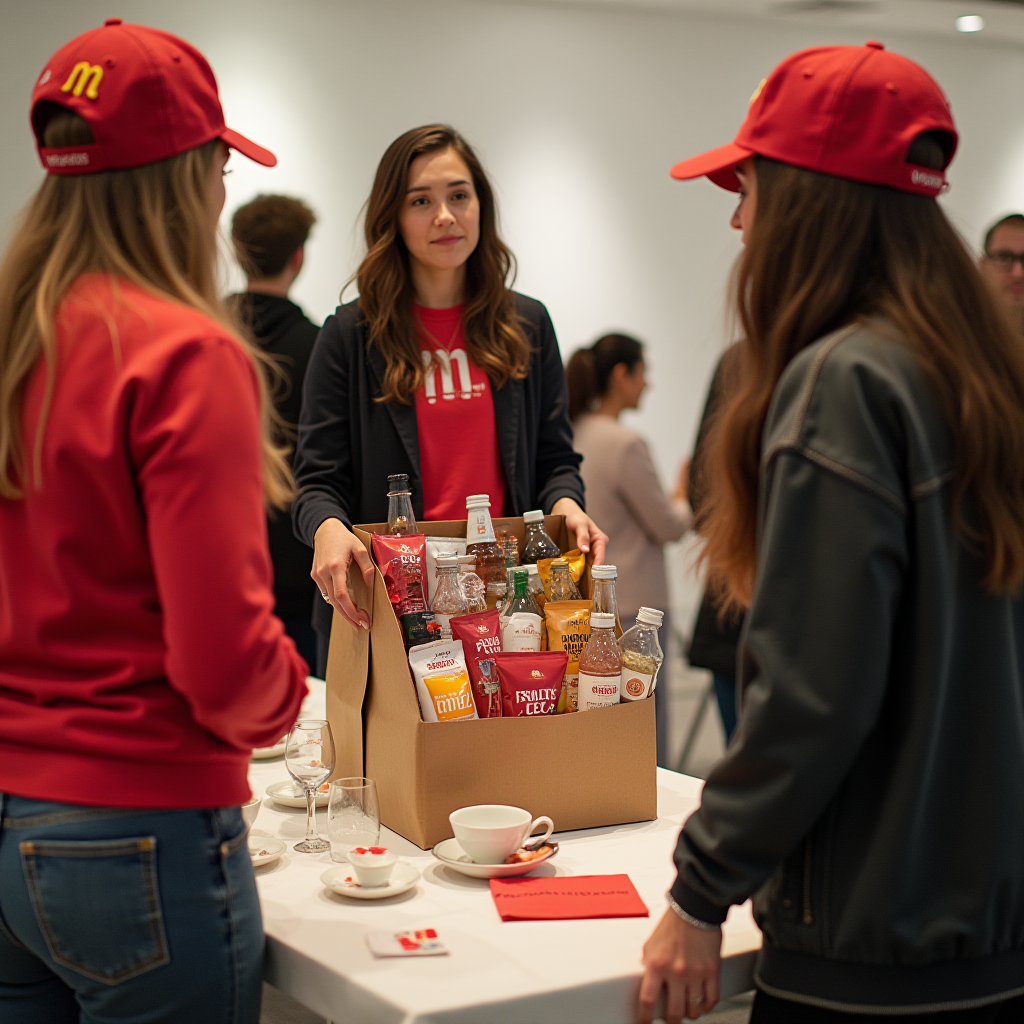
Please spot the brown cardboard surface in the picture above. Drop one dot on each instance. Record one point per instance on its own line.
(583, 770)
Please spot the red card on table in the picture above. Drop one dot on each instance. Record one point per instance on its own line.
(566, 898)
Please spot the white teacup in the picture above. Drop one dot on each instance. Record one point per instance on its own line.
(490, 832)
(249, 811)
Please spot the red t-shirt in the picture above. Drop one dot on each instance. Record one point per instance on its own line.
(140, 660)
(459, 452)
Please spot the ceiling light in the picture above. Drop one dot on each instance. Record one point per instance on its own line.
(970, 23)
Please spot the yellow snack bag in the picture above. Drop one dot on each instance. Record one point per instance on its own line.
(442, 681)
(567, 624)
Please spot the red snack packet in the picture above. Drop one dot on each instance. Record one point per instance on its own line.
(530, 681)
(401, 560)
(480, 634)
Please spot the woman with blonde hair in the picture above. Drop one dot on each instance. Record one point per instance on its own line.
(438, 370)
(140, 661)
(865, 475)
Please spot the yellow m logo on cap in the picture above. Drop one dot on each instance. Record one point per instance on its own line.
(84, 72)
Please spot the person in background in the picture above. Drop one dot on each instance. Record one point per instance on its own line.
(1002, 263)
(438, 370)
(624, 493)
(715, 636)
(867, 508)
(140, 659)
(269, 235)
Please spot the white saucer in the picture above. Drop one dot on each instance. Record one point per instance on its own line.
(263, 847)
(289, 794)
(403, 878)
(262, 753)
(451, 854)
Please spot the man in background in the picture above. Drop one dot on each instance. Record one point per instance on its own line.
(1003, 263)
(269, 235)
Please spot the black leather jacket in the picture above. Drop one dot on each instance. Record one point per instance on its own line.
(872, 798)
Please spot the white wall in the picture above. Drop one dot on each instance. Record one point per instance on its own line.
(578, 113)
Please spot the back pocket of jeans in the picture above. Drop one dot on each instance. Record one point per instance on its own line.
(98, 905)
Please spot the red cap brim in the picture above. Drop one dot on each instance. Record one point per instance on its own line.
(716, 164)
(248, 148)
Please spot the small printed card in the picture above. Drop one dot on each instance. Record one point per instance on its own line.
(565, 898)
(422, 942)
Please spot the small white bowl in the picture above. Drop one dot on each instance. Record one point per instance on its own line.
(250, 809)
(373, 865)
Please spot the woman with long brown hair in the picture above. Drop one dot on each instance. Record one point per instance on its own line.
(140, 661)
(866, 506)
(438, 370)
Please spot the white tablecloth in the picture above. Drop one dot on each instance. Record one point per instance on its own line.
(497, 972)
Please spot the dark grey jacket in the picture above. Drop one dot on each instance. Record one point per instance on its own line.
(349, 442)
(872, 799)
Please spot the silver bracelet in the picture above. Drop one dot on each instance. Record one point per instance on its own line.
(704, 926)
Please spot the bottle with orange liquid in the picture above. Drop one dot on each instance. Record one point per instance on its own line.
(481, 542)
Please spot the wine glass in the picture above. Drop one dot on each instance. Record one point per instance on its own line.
(352, 816)
(309, 758)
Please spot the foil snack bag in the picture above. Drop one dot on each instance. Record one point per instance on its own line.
(567, 624)
(401, 560)
(530, 682)
(442, 682)
(480, 634)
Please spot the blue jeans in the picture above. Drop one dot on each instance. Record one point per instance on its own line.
(124, 916)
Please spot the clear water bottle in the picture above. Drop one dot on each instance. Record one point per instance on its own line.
(449, 599)
(563, 587)
(642, 656)
(474, 588)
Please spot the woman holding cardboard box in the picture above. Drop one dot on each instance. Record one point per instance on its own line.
(866, 507)
(438, 370)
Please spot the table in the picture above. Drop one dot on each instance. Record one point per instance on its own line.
(497, 972)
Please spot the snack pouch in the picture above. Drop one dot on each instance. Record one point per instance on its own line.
(401, 560)
(577, 566)
(530, 681)
(480, 634)
(567, 624)
(442, 682)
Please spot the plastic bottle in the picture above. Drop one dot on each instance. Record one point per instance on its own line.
(474, 588)
(536, 587)
(503, 606)
(521, 631)
(401, 518)
(604, 600)
(537, 544)
(600, 665)
(509, 544)
(563, 587)
(495, 594)
(449, 599)
(642, 656)
(481, 542)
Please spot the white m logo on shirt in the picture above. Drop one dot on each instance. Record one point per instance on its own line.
(445, 360)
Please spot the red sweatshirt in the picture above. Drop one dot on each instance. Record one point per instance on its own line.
(140, 660)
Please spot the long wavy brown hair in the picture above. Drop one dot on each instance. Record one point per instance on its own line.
(825, 252)
(494, 337)
(150, 225)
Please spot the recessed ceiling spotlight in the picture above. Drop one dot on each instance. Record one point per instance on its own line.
(970, 23)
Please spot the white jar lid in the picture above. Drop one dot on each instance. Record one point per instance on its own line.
(478, 500)
(534, 517)
(601, 620)
(652, 616)
(604, 572)
(446, 560)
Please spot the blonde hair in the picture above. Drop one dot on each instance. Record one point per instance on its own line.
(149, 225)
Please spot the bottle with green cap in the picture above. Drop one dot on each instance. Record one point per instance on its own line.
(522, 630)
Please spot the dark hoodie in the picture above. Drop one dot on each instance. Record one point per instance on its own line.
(283, 331)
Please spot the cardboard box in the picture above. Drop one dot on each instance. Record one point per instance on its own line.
(583, 770)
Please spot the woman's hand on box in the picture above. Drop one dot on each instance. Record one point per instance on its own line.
(335, 547)
(685, 961)
(588, 533)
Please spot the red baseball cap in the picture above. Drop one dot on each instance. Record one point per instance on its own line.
(146, 94)
(848, 111)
